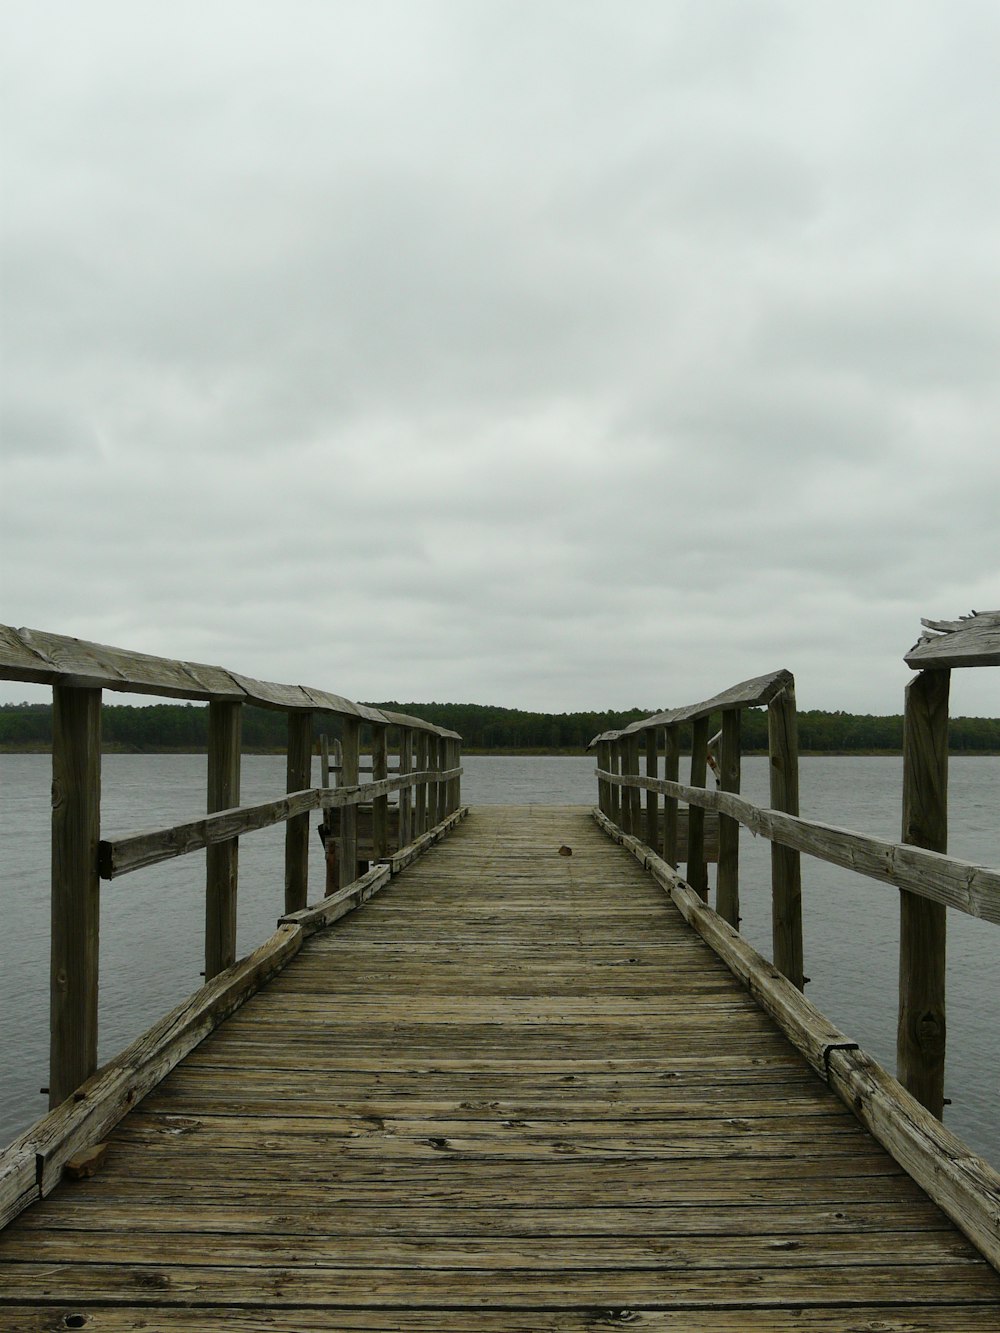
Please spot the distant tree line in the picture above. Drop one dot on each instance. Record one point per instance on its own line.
(184, 727)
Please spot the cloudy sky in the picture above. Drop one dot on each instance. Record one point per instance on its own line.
(548, 353)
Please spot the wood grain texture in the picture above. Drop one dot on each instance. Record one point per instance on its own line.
(515, 1092)
(970, 641)
(222, 858)
(754, 693)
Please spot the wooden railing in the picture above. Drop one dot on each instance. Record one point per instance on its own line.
(426, 777)
(929, 881)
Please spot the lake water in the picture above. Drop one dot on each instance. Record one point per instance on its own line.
(152, 921)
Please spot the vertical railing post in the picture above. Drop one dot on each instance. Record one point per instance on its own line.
(697, 870)
(614, 790)
(727, 893)
(921, 1032)
(455, 785)
(405, 793)
(437, 764)
(423, 760)
(222, 858)
(786, 872)
(350, 745)
(380, 804)
(75, 943)
(652, 798)
(632, 794)
(603, 787)
(298, 777)
(671, 773)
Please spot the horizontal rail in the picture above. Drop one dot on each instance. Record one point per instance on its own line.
(967, 887)
(56, 659)
(120, 856)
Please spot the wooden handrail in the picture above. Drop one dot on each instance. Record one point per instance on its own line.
(928, 879)
(78, 672)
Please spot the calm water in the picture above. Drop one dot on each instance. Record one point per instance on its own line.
(152, 921)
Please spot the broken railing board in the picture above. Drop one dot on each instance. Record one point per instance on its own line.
(971, 641)
(962, 1184)
(969, 888)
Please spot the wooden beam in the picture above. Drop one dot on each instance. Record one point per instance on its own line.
(697, 870)
(970, 641)
(76, 903)
(423, 761)
(222, 858)
(350, 743)
(969, 888)
(786, 874)
(405, 793)
(727, 895)
(753, 693)
(298, 772)
(671, 771)
(380, 806)
(652, 735)
(921, 1031)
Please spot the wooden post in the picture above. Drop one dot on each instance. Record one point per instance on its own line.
(615, 792)
(921, 1033)
(603, 786)
(697, 870)
(76, 910)
(380, 805)
(437, 792)
(671, 772)
(455, 785)
(350, 746)
(298, 778)
(727, 893)
(630, 765)
(652, 802)
(406, 793)
(786, 872)
(420, 813)
(222, 858)
(329, 841)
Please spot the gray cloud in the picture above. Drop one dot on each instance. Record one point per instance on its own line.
(560, 355)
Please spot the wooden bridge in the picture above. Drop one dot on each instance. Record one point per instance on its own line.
(536, 1083)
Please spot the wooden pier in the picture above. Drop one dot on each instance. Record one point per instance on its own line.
(516, 1074)
(515, 1091)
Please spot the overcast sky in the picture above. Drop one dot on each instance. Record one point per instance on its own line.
(549, 353)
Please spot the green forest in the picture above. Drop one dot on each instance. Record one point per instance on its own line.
(183, 727)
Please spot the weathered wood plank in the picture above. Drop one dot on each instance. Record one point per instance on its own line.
(971, 641)
(786, 874)
(76, 903)
(298, 775)
(222, 859)
(969, 888)
(754, 693)
(728, 877)
(921, 1030)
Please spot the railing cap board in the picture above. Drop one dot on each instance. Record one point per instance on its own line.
(56, 659)
(970, 641)
(406, 720)
(752, 693)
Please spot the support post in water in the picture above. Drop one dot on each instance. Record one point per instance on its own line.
(921, 1032)
(697, 869)
(727, 895)
(786, 872)
(298, 778)
(76, 817)
(222, 858)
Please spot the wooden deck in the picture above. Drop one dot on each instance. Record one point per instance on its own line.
(513, 1092)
